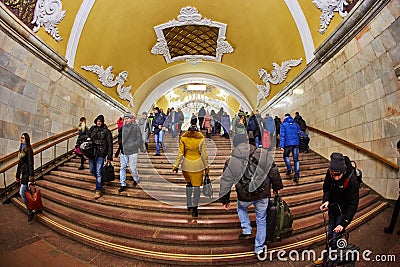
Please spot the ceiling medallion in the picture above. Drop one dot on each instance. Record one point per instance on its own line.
(48, 13)
(191, 38)
(106, 77)
(277, 76)
(328, 7)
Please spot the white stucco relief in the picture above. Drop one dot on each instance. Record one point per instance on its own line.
(106, 77)
(48, 13)
(328, 7)
(277, 76)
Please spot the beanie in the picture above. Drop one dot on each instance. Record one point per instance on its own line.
(337, 163)
(128, 115)
(239, 138)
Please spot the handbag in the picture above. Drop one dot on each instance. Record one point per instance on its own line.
(33, 198)
(108, 173)
(88, 149)
(207, 187)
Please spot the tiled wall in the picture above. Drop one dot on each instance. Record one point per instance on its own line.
(37, 99)
(356, 96)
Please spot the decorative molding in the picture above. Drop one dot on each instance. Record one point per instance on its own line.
(277, 76)
(190, 16)
(106, 77)
(48, 13)
(303, 28)
(328, 7)
(79, 23)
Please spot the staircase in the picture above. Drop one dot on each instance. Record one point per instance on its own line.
(150, 222)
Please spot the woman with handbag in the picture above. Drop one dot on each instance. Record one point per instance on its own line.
(25, 169)
(194, 157)
(82, 136)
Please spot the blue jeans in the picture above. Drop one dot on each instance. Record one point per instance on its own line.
(132, 160)
(158, 138)
(22, 190)
(334, 220)
(96, 169)
(295, 154)
(261, 221)
(174, 130)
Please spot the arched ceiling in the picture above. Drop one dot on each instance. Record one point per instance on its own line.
(121, 34)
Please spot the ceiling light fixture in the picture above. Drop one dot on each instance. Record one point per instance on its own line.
(196, 87)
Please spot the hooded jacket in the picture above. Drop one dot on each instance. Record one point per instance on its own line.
(194, 157)
(102, 138)
(289, 133)
(346, 196)
(234, 170)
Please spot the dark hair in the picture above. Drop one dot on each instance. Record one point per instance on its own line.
(82, 119)
(287, 115)
(398, 144)
(193, 128)
(27, 139)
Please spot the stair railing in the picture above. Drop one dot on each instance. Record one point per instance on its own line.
(356, 147)
(45, 145)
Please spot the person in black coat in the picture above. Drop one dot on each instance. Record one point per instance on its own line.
(102, 139)
(341, 196)
(25, 169)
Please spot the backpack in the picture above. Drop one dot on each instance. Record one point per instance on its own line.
(252, 125)
(349, 164)
(279, 220)
(302, 123)
(242, 186)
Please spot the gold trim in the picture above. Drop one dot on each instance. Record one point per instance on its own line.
(166, 255)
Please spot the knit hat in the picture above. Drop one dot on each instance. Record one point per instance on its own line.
(144, 113)
(337, 163)
(128, 115)
(239, 138)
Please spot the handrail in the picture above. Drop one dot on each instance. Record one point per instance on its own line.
(70, 135)
(9, 156)
(358, 148)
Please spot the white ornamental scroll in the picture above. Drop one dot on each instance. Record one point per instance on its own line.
(48, 13)
(328, 7)
(277, 76)
(106, 77)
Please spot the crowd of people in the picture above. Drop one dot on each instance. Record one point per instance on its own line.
(252, 137)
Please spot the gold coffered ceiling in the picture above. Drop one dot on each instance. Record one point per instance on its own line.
(121, 34)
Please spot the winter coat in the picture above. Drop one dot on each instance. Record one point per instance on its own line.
(302, 124)
(347, 198)
(226, 122)
(202, 113)
(144, 125)
(102, 138)
(173, 117)
(277, 125)
(25, 165)
(131, 139)
(270, 124)
(194, 157)
(207, 121)
(234, 169)
(158, 120)
(289, 133)
(181, 117)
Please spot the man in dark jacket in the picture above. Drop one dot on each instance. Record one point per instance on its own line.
(300, 121)
(256, 192)
(102, 139)
(157, 123)
(131, 142)
(289, 142)
(340, 196)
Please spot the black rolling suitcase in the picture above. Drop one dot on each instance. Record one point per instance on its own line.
(279, 220)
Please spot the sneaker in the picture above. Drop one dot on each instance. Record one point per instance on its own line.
(245, 236)
(121, 189)
(296, 177)
(81, 168)
(288, 172)
(157, 154)
(97, 194)
(37, 212)
(135, 183)
(30, 217)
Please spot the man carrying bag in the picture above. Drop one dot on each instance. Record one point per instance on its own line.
(252, 170)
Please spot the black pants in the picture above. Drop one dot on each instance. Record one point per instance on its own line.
(395, 215)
